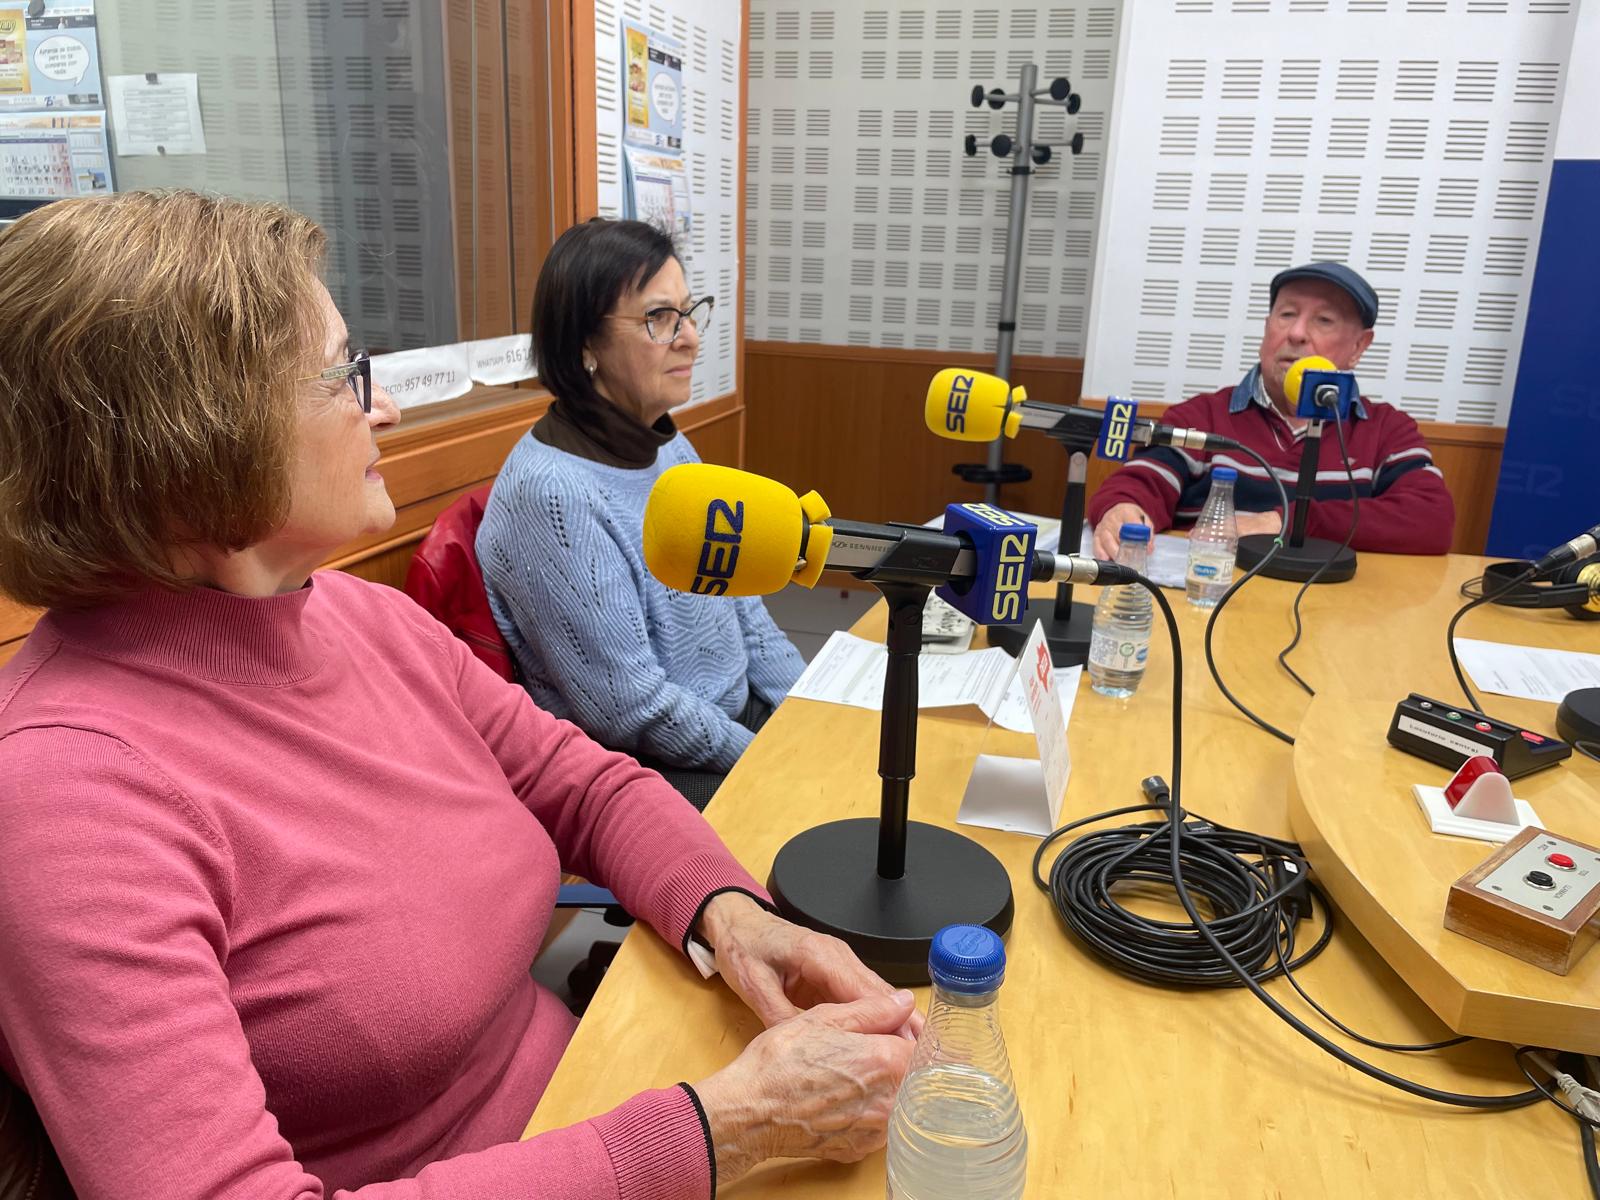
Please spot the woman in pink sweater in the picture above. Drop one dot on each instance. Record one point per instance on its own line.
(275, 850)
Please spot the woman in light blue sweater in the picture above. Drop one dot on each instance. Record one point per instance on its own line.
(680, 681)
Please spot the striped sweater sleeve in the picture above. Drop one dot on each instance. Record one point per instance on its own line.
(1156, 478)
(1410, 510)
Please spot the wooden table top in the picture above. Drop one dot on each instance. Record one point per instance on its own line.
(1129, 1089)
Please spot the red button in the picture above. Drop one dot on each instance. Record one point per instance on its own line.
(1483, 727)
(1531, 737)
(1558, 859)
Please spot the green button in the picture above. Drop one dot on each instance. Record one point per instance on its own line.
(1455, 716)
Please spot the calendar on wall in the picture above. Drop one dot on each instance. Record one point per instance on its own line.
(45, 156)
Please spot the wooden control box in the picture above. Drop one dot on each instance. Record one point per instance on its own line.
(1536, 898)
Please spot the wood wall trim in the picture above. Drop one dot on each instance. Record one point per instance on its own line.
(563, 107)
(937, 360)
(744, 142)
(689, 419)
(586, 164)
(458, 119)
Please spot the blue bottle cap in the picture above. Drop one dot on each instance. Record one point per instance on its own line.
(1224, 474)
(1132, 532)
(967, 958)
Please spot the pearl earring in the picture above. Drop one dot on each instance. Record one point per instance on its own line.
(591, 366)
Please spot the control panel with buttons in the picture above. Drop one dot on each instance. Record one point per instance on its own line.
(1537, 898)
(1445, 734)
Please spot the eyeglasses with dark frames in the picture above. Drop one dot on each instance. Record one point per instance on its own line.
(665, 323)
(357, 373)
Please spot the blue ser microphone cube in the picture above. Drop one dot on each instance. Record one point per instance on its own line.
(1003, 542)
(1326, 395)
(1116, 430)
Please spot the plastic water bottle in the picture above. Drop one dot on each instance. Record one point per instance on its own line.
(956, 1132)
(1119, 641)
(1214, 542)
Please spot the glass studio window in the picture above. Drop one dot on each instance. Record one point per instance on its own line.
(390, 122)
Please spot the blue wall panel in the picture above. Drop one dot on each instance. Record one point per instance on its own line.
(1550, 476)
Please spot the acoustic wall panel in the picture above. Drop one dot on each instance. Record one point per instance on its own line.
(711, 32)
(867, 224)
(1409, 138)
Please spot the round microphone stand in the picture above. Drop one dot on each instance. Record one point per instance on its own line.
(886, 886)
(1302, 558)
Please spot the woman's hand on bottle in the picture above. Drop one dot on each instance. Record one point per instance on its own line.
(780, 969)
(818, 1085)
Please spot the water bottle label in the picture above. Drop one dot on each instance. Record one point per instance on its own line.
(1203, 570)
(1118, 654)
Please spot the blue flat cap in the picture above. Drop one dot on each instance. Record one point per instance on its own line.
(1340, 276)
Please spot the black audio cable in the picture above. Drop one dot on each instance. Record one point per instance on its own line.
(1587, 1124)
(1211, 621)
(1173, 834)
(1484, 597)
(1350, 536)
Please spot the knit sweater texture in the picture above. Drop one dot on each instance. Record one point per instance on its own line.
(597, 639)
(272, 872)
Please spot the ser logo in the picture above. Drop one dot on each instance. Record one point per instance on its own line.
(1116, 428)
(955, 406)
(1011, 564)
(719, 554)
(1009, 577)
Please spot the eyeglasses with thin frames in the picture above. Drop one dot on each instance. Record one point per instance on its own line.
(357, 373)
(665, 323)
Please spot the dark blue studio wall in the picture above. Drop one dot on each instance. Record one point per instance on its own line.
(1549, 486)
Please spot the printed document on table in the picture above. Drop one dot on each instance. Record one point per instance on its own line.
(1527, 672)
(850, 670)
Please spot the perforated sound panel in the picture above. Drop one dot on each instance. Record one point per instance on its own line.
(867, 224)
(1409, 138)
(711, 32)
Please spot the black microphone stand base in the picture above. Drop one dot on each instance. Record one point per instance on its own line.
(1068, 640)
(827, 879)
(1298, 563)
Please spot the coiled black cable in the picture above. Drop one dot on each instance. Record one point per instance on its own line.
(1244, 878)
(1173, 833)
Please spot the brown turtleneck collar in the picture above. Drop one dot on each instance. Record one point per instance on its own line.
(604, 434)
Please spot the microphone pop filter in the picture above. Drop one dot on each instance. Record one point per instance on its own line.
(718, 531)
(970, 406)
(1297, 371)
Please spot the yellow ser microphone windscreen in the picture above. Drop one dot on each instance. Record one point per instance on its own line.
(1296, 372)
(969, 406)
(716, 531)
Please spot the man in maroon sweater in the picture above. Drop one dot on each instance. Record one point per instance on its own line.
(1326, 309)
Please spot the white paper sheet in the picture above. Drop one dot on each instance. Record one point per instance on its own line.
(502, 360)
(157, 113)
(425, 376)
(1527, 672)
(849, 670)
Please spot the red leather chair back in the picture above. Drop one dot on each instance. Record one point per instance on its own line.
(445, 579)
